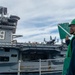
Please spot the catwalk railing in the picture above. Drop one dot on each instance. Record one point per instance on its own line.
(41, 66)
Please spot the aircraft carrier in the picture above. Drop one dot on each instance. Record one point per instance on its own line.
(27, 58)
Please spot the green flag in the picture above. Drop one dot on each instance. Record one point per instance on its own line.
(64, 30)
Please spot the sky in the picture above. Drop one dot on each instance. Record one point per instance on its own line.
(39, 18)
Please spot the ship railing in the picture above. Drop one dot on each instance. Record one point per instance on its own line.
(8, 44)
(26, 46)
(43, 66)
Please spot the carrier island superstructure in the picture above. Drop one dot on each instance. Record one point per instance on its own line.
(23, 58)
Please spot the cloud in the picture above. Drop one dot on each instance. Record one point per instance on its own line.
(39, 18)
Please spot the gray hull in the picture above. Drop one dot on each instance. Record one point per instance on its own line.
(58, 73)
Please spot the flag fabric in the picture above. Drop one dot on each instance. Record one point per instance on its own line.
(64, 30)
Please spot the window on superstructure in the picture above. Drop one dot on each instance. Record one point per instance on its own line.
(6, 49)
(4, 58)
(14, 55)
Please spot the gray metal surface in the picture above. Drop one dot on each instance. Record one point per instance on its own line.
(28, 53)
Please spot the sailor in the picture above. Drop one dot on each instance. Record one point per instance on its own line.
(69, 63)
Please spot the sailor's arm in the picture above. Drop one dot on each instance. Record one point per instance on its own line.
(67, 40)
